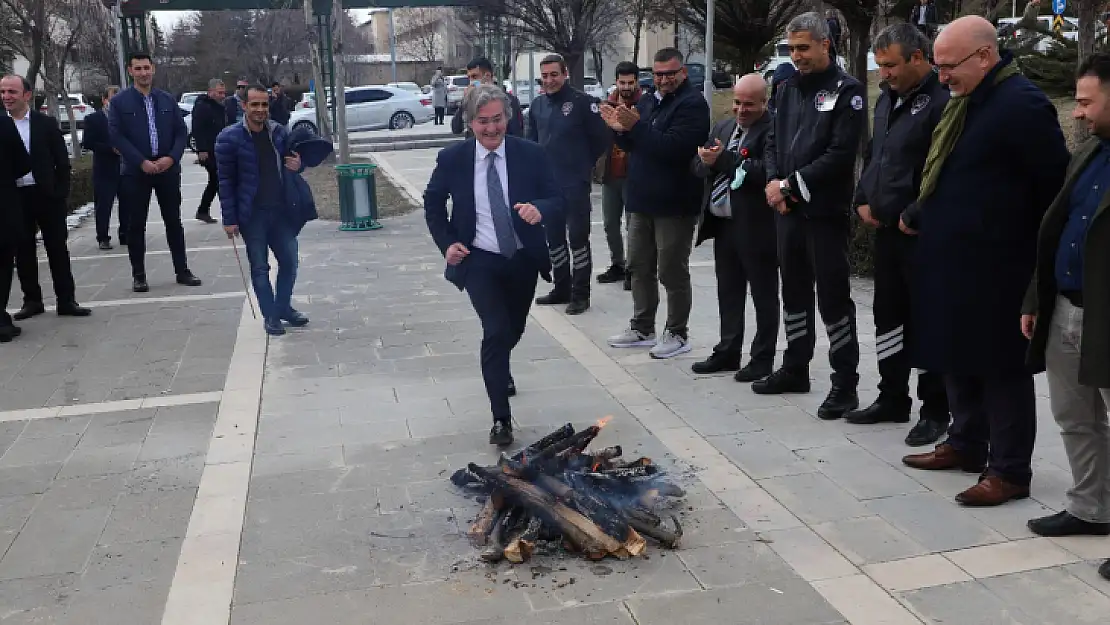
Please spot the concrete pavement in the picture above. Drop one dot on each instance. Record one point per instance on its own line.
(303, 478)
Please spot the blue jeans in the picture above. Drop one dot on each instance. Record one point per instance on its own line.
(269, 229)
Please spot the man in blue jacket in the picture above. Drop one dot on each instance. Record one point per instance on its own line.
(105, 171)
(147, 129)
(501, 188)
(254, 204)
(568, 124)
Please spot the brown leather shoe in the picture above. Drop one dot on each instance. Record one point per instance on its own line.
(942, 458)
(992, 491)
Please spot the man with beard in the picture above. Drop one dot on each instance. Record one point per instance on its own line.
(810, 161)
(908, 109)
(1065, 313)
(736, 217)
(977, 217)
(611, 173)
(501, 188)
(567, 123)
(209, 118)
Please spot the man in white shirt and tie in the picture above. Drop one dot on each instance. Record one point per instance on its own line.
(501, 187)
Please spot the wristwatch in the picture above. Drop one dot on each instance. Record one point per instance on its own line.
(784, 186)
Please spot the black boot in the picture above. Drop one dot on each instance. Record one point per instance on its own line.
(884, 410)
(554, 297)
(783, 381)
(188, 279)
(615, 273)
(840, 400)
(578, 306)
(1104, 570)
(9, 332)
(754, 371)
(926, 432)
(716, 363)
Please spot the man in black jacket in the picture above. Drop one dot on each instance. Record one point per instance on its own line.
(43, 194)
(14, 165)
(105, 172)
(209, 118)
(923, 16)
(480, 72)
(281, 107)
(906, 113)
(661, 135)
(810, 161)
(568, 124)
(736, 217)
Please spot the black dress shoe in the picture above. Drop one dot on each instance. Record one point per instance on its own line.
(104, 245)
(139, 285)
(512, 389)
(501, 434)
(926, 432)
(9, 332)
(554, 297)
(716, 363)
(188, 279)
(840, 400)
(578, 306)
(30, 309)
(782, 381)
(1064, 524)
(123, 241)
(73, 309)
(753, 371)
(1104, 570)
(884, 410)
(206, 218)
(615, 273)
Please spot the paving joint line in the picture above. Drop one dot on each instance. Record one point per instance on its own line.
(119, 405)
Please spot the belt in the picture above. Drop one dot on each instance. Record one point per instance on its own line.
(1075, 297)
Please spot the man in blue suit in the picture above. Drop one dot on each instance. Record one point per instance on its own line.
(501, 188)
(147, 129)
(96, 139)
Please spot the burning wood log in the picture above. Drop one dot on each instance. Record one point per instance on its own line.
(480, 529)
(560, 434)
(507, 520)
(523, 542)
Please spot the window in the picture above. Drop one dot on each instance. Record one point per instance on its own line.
(588, 80)
(461, 81)
(782, 50)
(361, 96)
(377, 95)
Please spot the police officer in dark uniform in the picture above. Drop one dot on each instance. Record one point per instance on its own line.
(566, 122)
(906, 113)
(810, 159)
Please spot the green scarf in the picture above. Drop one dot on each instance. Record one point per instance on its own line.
(948, 132)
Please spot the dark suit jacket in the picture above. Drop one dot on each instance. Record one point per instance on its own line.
(14, 164)
(98, 140)
(750, 213)
(49, 157)
(130, 134)
(530, 180)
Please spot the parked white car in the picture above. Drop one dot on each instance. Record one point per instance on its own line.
(373, 108)
(188, 99)
(407, 86)
(592, 86)
(456, 86)
(81, 108)
(522, 90)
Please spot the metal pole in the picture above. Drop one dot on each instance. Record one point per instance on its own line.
(531, 75)
(117, 13)
(392, 47)
(707, 86)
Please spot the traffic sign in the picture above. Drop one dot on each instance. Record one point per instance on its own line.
(1058, 6)
(1058, 23)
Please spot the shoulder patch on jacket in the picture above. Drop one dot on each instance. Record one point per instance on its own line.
(567, 108)
(857, 102)
(919, 103)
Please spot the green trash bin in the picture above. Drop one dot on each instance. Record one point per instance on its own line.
(358, 197)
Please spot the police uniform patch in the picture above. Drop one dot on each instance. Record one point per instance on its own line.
(567, 108)
(594, 108)
(857, 102)
(825, 101)
(919, 104)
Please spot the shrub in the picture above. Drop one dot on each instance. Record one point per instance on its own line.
(861, 248)
(81, 184)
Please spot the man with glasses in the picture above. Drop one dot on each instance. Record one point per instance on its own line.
(810, 160)
(661, 135)
(976, 220)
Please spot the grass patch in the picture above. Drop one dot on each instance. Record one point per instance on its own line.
(392, 202)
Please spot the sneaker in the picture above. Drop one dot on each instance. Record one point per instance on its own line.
(273, 327)
(295, 318)
(670, 345)
(501, 434)
(632, 337)
(615, 273)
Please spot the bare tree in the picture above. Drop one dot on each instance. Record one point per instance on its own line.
(638, 15)
(418, 33)
(742, 28)
(30, 28)
(566, 27)
(277, 36)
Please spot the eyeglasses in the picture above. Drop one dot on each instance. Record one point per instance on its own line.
(947, 67)
(669, 73)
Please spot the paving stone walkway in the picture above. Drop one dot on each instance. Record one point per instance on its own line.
(205, 475)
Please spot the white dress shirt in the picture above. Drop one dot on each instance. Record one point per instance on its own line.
(24, 128)
(485, 234)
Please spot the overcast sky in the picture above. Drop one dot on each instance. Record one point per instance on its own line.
(167, 19)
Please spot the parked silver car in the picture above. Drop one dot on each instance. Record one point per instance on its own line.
(373, 108)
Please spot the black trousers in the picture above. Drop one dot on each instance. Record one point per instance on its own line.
(571, 268)
(105, 189)
(210, 189)
(135, 191)
(7, 267)
(501, 291)
(815, 251)
(894, 327)
(440, 112)
(736, 268)
(48, 216)
(995, 417)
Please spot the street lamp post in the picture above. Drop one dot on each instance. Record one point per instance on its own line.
(707, 87)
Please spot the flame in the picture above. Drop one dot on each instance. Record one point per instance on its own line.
(597, 465)
(604, 421)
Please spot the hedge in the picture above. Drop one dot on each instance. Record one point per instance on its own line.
(81, 184)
